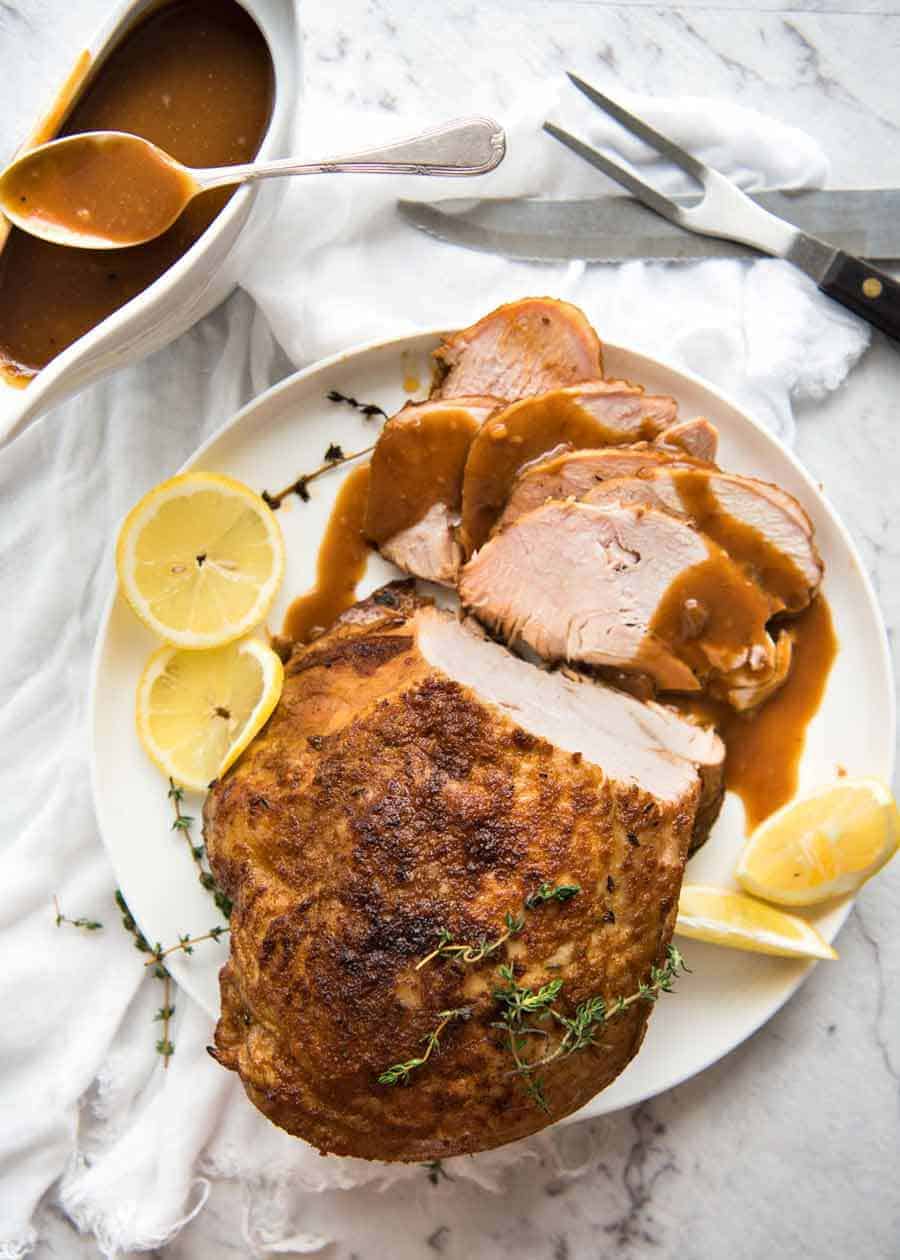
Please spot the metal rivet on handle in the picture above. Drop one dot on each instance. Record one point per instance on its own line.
(871, 287)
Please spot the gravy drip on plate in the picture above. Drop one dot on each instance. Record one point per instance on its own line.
(414, 467)
(341, 562)
(195, 78)
(764, 746)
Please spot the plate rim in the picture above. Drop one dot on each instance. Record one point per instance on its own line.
(406, 342)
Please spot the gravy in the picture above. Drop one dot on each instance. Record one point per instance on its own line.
(416, 465)
(764, 746)
(341, 562)
(195, 78)
(514, 437)
(711, 614)
(773, 570)
(112, 189)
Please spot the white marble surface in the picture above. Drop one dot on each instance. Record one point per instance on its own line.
(787, 1148)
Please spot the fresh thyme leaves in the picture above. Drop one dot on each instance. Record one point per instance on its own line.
(184, 944)
(435, 1170)
(562, 892)
(527, 1012)
(367, 409)
(580, 1029)
(513, 924)
(87, 925)
(164, 1045)
(399, 1073)
(518, 1004)
(334, 458)
(467, 954)
(183, 823)
(128, 923)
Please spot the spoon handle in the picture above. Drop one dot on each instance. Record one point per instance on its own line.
(468, 146)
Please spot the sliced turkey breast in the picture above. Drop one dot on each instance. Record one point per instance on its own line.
(429, 549)
(697, 437)
(572, 474)
(620, 586)
(522, 348)
(761, 526)
(600, 413)
(415, 484)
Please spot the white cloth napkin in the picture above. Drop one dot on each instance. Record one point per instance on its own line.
(85, 1104)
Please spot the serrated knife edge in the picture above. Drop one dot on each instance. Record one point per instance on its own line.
(863, 221)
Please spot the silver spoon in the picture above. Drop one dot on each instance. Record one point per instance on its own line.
(109, 189)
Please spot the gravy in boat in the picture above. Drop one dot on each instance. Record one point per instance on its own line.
(196, 78)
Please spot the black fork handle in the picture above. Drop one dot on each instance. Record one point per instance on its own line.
(864, 290)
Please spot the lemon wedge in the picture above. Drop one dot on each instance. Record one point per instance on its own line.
(198, 711)
(823, 845)
(200, 559)
(729, 918)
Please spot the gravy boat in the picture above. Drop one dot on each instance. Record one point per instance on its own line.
(207, 272)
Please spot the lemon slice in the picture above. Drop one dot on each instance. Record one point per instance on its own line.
(823, 845)
(729, 918)
(200, 559)
(198, 711)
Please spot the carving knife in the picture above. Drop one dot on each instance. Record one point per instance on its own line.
(865, 222)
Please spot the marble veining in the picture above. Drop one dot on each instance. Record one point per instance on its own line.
(788, 1147)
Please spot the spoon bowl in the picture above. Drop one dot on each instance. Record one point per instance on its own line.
(96, 190)
(111, 189)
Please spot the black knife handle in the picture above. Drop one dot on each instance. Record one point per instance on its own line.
(864, 290)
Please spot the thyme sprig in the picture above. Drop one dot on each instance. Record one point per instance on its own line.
(164, 1045)
(184, 944)
(183, 823)
(435, 1170)
(580, 1029)
(513, 925)
(468, 954)
(368, 409)
(334, 455)
(518, 1003)
(548, 892)
(86, 925)
(334, 458)
(527, 1012)
(399, 1073)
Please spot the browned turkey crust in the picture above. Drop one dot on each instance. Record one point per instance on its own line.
(387, 799)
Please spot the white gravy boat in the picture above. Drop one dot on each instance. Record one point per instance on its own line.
(207, 272)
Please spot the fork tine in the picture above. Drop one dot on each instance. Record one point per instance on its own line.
(662, 144)
(649, 196)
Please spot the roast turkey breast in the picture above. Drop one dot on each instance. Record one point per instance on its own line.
(417, 783)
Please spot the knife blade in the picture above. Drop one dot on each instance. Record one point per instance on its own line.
(865, 222)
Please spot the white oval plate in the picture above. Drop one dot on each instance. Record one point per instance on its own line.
(285, 432)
